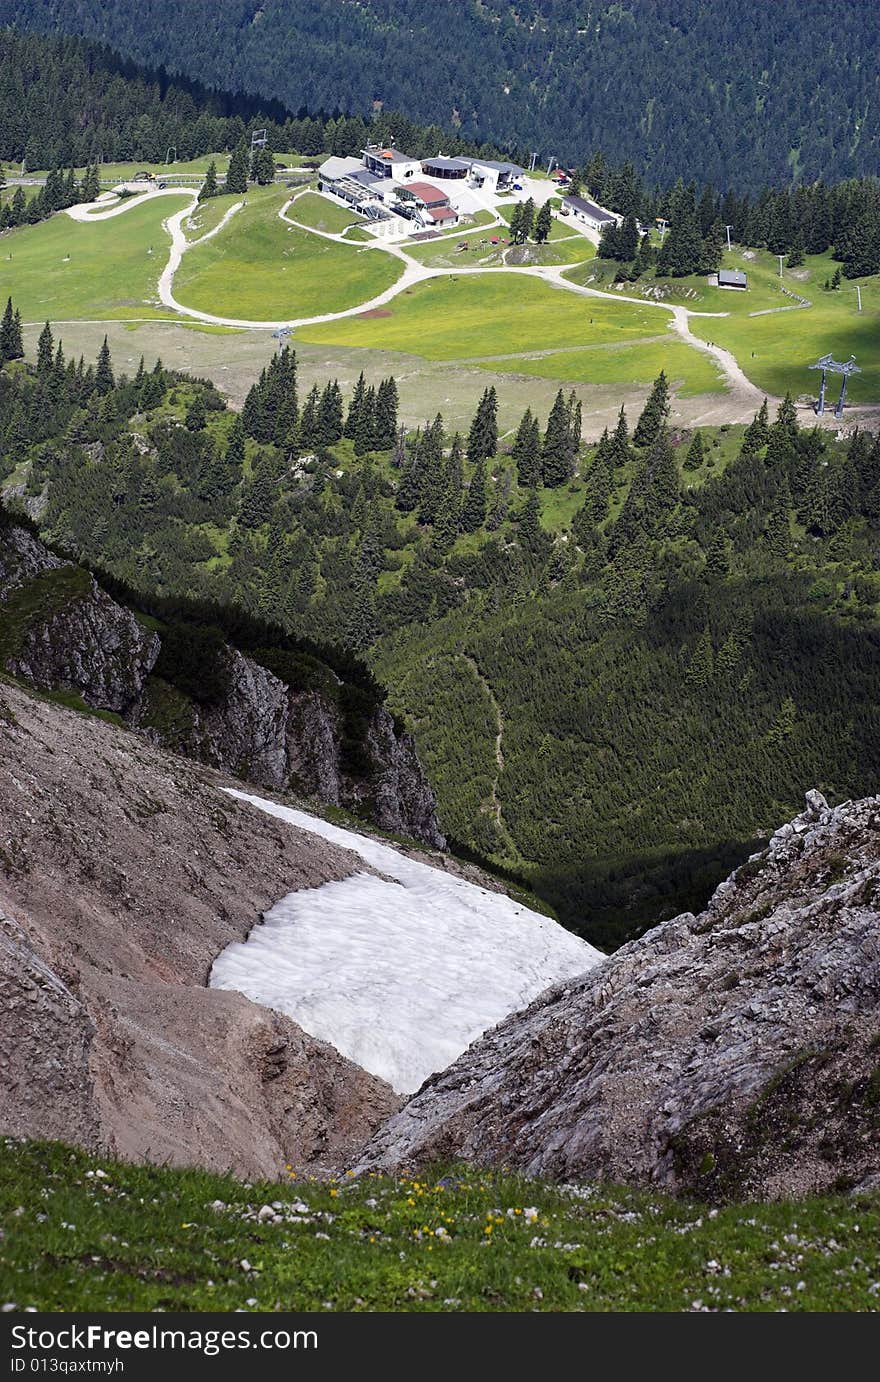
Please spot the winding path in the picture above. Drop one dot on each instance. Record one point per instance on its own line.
(743, 393)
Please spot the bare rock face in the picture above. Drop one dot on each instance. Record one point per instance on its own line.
(65, 631)
(46, 1036)
(59, 629)
(127, 871)
(732, 1054)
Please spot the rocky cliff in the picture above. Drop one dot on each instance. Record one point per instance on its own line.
(734, 1053)
(124, 871)
(60, 630)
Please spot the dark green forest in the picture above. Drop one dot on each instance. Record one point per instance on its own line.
(750, 95)
(65, 104)
(624, 663)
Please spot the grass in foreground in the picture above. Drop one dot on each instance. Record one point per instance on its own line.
(89, 1234)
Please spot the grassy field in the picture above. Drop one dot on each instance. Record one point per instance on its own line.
(776, 349)
(311, 209)
(689, 371)
(262, 269)
(503, 323)
(77, 1237)
(67, 269)
(206, 215)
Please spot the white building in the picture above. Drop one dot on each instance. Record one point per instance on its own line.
(588, 213)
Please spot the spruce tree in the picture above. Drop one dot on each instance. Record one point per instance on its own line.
(196, 416)
(355, 408)
(45, 351)
(386, 415)
(695, 453)
(329, 425)
(11, 344)
(483, 435)
(620, 452)
(526, 451)
(209, 186)
(655, 413)
(448, 516)
(757, 434)
(543, 223)
(526, 221)
(237, 176)
(557, 458)
(104, 380)
(365, 431)
(473, 514)
(309, 422)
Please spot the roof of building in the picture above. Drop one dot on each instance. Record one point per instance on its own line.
(733, 278)
(453, 165)
(367, 177)
(511, 168)
(391, 155)
(443, 213)
(428, 193)
(334, 168)
(589, 209)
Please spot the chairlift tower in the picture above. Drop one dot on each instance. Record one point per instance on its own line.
(728, 229)
(259, 140)
(281, 336)
(828, 365)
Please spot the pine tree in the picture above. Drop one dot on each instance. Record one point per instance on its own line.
(209, 186)
(11, 345)
(526, 451)
(196, 416)
(473, 514)
(45, 351)
(386, 415)
(430, 470)
(557, 457)
(655, 413)
(233, 458)
(355, 407)
(237, 176)
(365, 431)
(682, 251)
(256, 507)
(309, 422)
(696, 452)
(329, 417)
(717, 560)
(543, 223)
(757, 434)
(483, 435)
(448, 517)
(527, 221)
(620, 452)
(104, 380)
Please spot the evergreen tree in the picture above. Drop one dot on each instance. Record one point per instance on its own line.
(483, 436)
(757, 434)
(355, 408)
(237, 176)
(309, 422)
(104, 380)
(448, 516)
(365, 431)
(696, 453)
(682, 251)
(473, 514)
(11, 345)
(45, 351)
(386, 415)
(526, 451)
(717, 560)
(196, 417)
(620, 452)
(655, 413)
(329, 416)
(543, 223)
(209, 186)
(259, 497)
(557, 455)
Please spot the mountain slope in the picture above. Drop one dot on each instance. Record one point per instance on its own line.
(732, 1054)
(123, 872)
(281, 717)
(739, 95)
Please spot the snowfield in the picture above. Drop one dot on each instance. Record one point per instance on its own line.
(399, 976)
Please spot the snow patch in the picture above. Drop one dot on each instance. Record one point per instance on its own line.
(399, 976)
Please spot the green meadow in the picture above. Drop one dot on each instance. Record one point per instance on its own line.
(319, 213)
(260, 268)
(77, 1237)
(63, 268)
(519, 325)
